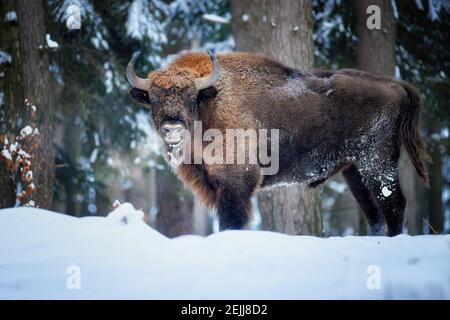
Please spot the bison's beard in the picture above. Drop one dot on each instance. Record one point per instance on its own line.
(174, 154)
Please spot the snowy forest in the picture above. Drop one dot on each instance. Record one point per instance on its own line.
(73, 141)
(104, 148)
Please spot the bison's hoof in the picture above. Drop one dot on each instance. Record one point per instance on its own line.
(377, 229)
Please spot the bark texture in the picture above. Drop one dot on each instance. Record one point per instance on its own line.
(376, 48)
(12, 107)
(281, 30)
(436, 210)
(35, 81)
(7, 188)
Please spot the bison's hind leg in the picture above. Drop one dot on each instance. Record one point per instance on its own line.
(381, 178)
(365, 199)
(390, 199)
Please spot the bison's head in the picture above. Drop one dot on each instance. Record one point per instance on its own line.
(172, 95)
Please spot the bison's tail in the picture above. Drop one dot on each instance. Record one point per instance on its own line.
(410, 135)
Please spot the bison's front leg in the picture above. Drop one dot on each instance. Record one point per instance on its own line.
(235, 185)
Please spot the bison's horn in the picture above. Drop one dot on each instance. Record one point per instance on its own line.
(133, 79)
(206, 82)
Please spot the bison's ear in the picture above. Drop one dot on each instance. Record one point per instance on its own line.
(140, 96)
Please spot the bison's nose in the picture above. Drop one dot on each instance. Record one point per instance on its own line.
(171, 126)
(172, 132)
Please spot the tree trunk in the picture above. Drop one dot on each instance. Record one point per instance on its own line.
(376, 48)
(12, 107)
(72, 143)
(35, 81)
(175, 205)
(415, 194)
(436, 211)
(7, 189)
(283, 31)
(278, 29)
(201, 220)
(12, 110)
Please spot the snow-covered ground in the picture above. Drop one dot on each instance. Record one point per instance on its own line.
(47, 255)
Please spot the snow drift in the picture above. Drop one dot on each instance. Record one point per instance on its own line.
(120, 257)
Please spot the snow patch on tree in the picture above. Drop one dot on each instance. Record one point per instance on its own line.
(5, 57)
(50, 43)
(6, 154)
(28, 130)
(216, 18)
(73, 17)
(394, 9)
(11, 16)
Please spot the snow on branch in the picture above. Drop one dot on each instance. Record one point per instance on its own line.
(215, 18)
(17, 155)
(144, 21)
(434, 8)
(11, 16)
(74, 12)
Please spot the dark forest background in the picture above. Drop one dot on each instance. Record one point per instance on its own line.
(62, 71)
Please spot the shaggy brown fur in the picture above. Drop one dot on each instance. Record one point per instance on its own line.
(329, 121)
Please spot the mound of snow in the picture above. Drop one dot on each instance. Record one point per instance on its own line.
(126, 214)
(43, 254)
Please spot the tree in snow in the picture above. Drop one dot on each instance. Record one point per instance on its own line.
(18, 154)
(104, 145)
(36, 89)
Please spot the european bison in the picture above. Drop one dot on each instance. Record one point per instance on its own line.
(329, 121)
